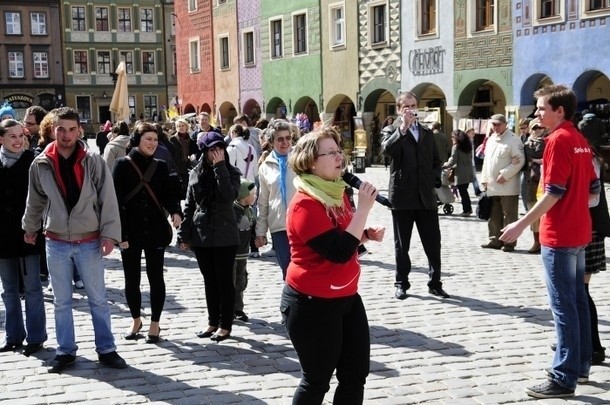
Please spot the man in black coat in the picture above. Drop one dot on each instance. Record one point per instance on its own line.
(414, 176)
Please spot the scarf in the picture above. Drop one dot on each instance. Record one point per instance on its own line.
(283, 162)
(329, 193)
(9, 158)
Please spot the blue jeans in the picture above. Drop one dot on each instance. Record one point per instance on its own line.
(282, 250)
(35, 329)
(564, 276)
(62, 257)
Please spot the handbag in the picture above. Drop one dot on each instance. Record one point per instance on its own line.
(484, 207)
(144, 179)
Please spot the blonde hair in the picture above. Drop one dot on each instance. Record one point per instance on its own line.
(182, 121)
(305, 152)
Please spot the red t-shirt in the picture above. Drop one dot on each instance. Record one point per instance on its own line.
(308, 272)
(567, 162)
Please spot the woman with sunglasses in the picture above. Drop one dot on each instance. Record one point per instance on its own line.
(276, 191)
(324, 315)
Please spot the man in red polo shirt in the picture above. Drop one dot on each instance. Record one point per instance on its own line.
(567, 179)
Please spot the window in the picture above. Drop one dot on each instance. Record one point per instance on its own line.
(146, 20)
(549, 8)
(38, 23)
(103, 62)
(337, 26)
(148, 63)
(598, 4)
(276, 39)
(80, 62)
(16, 68)
(194, 59)
(192, 5)
(379, 24)
(299, 26)
(224, 52)
(248, 48)
(101, 19)
(131, 100)
(124, 19)
(428, 17)
(127, 57)
(174, 63)
(41, 65)
(83, 106)
(78, 18)
(150, 105)
(13, 23)
(484, 14)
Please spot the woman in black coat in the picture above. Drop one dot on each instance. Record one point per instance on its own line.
(210, 230)
(17, 257)
(144, 224)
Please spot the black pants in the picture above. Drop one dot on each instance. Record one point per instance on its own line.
(465, 197)
(216, 265)
(132, 268)
(430, 235)
(328, 334)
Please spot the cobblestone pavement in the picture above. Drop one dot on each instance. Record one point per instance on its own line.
(482, 346)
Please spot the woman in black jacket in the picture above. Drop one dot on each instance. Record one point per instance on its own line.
(144, 194)
(17, 257)
(210, 230)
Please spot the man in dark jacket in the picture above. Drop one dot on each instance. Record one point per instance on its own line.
(414, 174)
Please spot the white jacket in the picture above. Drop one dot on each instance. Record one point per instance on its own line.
(271, 210)
(243, 156)
(503, 155)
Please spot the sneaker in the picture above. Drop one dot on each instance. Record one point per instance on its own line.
(112, 359)
(268, 253)
(60, 363)
(241, 316)
(255, 255)
(79, 285)
(549, 389)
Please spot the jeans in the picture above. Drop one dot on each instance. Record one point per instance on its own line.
(564, 276)
(328, 334)
(475, 181)
(62, 257)
(282, 250)
(35, 329)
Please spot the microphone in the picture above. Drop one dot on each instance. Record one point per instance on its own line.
(355, 182)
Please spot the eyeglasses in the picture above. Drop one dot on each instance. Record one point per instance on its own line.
(334, 153)
(281, 139)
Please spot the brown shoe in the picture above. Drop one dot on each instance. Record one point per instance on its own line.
(508, 248)
(492, 244)
(535, 248)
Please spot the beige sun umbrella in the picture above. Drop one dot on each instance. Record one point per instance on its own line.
(119, 104)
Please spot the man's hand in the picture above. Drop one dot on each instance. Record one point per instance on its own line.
(107, 246)
(511, 232)
(30, 238)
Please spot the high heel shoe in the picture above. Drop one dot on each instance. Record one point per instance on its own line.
(133, 335)
(206, 334)
(219, 338)
(153, 338)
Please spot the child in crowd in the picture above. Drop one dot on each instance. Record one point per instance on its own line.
(245, 220)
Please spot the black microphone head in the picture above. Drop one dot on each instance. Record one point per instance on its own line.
(352, 180)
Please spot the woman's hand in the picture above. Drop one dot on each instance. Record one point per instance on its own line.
(124, 245)
(366, 196)
(185, 246)
(260, 241)
(218, 155)
(375, 233)
(176, 220)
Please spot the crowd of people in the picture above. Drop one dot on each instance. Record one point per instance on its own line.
(67, 207)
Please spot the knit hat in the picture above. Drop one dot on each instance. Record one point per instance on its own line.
(7, 110)
(244, 188)
(210, 139)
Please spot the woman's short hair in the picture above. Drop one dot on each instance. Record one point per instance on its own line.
(182, 121)
(275, 126)
(305, 152)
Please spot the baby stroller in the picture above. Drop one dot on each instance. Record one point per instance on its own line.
(444, 194)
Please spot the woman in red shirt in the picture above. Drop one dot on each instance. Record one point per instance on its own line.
(324, 315)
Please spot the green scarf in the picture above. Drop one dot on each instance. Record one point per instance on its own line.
(329, 193)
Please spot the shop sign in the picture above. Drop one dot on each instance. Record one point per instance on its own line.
(427, 61)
